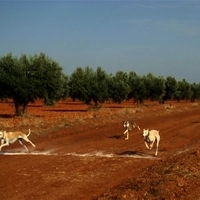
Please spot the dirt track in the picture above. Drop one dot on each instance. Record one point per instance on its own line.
(86, 161)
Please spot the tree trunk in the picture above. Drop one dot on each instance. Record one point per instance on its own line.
(96, 103)
(20, 110)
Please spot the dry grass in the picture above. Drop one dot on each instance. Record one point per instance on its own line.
(66, 114)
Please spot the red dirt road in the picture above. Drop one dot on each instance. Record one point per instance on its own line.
(88, 158)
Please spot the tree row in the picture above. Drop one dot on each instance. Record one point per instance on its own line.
(29, 78)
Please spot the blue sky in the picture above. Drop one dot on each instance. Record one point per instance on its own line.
(160, 37)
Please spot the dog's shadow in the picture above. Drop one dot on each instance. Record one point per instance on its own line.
(2, 153)
(117, 137)
(14, 152)
(131, 153)
(7, 153)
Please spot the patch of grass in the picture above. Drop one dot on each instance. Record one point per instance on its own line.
(94, 107)
(128, 110)
(63, 123)
(195, 104)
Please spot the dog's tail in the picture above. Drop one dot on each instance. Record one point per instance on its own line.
(29, 132)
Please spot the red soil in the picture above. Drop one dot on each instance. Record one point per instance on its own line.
(81, 152)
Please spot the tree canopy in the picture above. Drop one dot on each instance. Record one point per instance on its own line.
(88, 85)
(27, 79)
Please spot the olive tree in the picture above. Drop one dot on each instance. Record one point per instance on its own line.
(27, 79)
(170, 89)
(195, 92)
(99, 86)
(76, 83)
(119, 87)
(155, 87)
(137, 88)
(88, 85)
(183, 91)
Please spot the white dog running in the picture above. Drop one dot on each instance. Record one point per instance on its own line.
(128, 125)
(10, 137)
(150, 136)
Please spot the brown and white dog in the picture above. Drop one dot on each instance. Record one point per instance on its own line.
(150, 136)
(11, 137)
(128, 125)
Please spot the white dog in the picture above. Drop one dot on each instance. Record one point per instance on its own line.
(10, 137)
(128, 125)
(150, 136)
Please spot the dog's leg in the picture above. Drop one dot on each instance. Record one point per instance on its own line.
(127, 135)
(125, 131)
(20, 141)
(151, 144)
(4, 144)
(146, 144)
(157, 145)
(2, 141)
(27, 140)
(156, 153)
